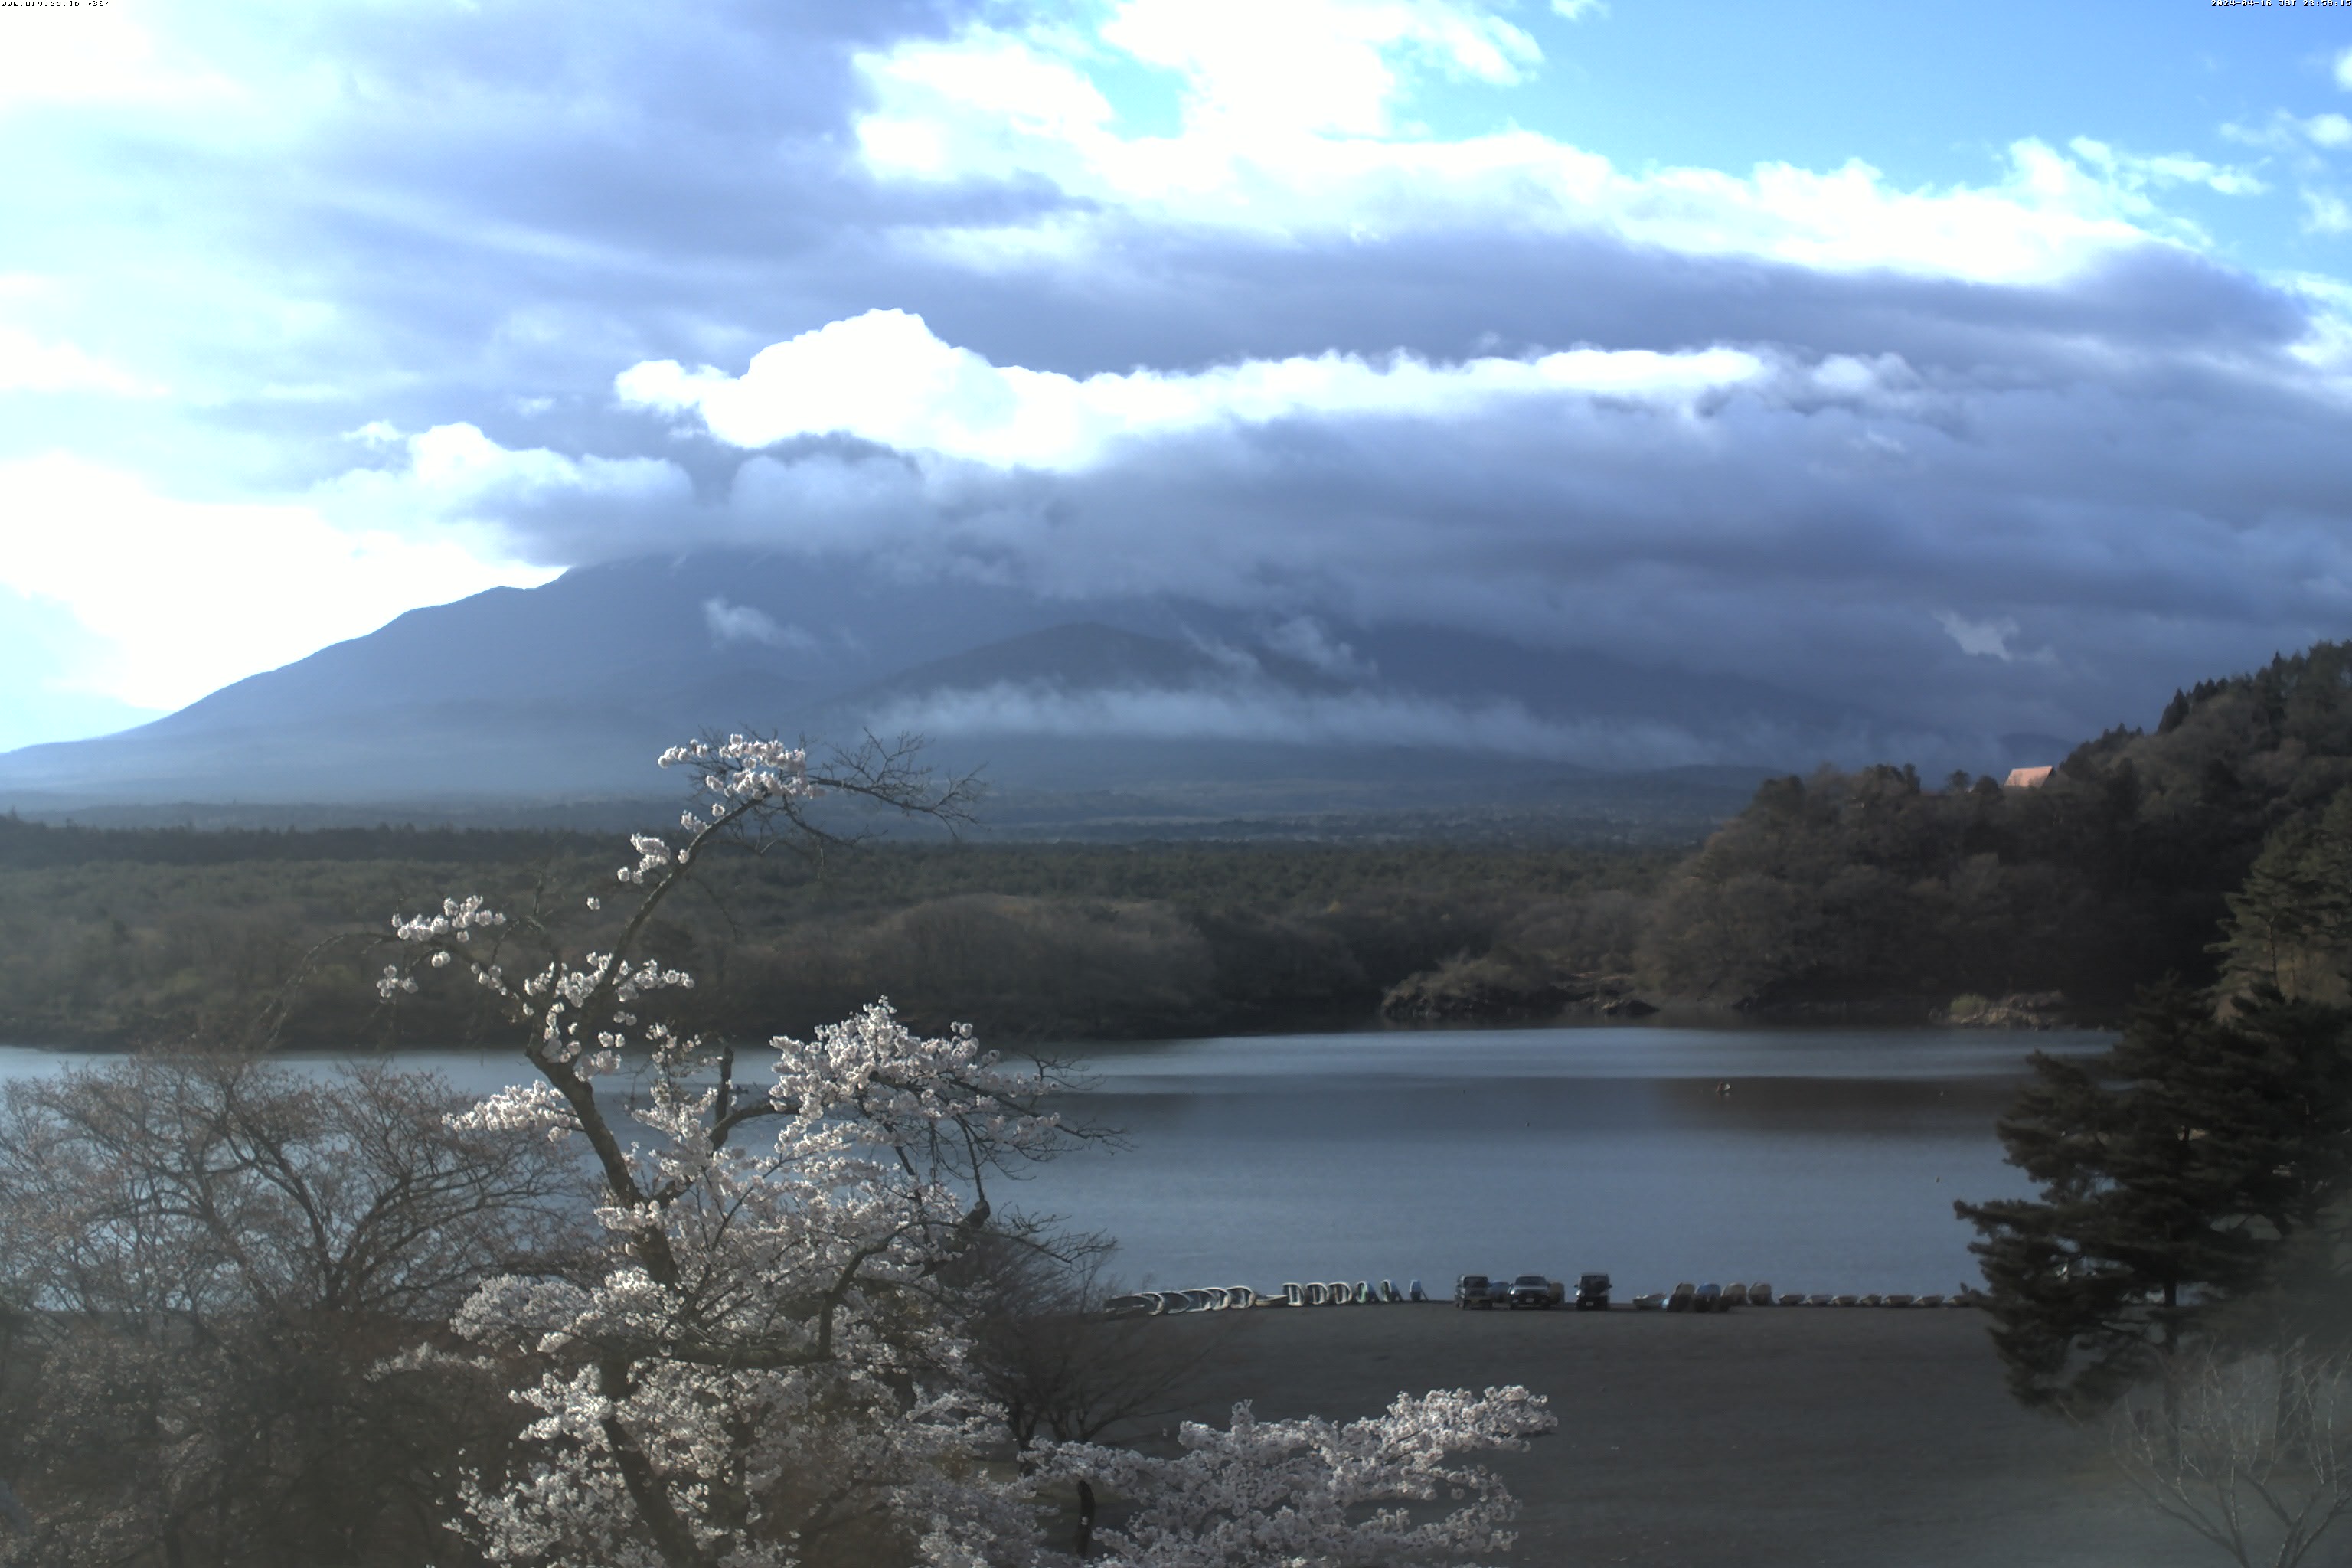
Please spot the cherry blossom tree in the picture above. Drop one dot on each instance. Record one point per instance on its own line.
(1316, 1491)
(770, 1366)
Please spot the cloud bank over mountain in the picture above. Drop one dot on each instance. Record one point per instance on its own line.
(1128, 301)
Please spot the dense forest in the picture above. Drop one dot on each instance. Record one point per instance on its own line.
(1870, 891)
(1031, 941)
(1871, 887)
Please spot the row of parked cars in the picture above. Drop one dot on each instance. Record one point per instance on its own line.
(1592, 1291)
(1534, 1290)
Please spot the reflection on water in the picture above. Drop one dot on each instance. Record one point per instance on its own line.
(477, 1073)
(1820, 1160)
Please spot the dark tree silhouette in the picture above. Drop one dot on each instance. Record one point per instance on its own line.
(2177, 1170)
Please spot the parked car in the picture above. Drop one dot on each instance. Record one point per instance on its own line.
(1474, 1291)
(1591, 1290)
(1530, 1291)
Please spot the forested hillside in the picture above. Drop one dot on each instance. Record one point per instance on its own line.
(1841, 893)
(1871, 886)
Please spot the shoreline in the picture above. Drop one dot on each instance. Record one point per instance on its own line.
(1717, 1020)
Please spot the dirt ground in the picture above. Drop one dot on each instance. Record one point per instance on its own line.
(1819, 1437)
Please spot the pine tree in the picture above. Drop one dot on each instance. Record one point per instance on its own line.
(2176, 1170)
(2282, 1109)
(2290, 924)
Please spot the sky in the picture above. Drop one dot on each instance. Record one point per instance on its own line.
(1988, 366)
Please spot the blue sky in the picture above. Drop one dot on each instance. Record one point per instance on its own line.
(1926, 94)
(1991, 365)
(1934, 95)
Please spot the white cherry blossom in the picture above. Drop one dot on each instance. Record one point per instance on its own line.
(767, 1358)
(1318, 1492)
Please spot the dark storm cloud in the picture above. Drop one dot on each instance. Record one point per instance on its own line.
(2106, 484)
(2135, 511)
(1187, 299)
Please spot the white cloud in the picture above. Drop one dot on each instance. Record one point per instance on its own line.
(884, 377)
(2293, 134)
(1236, 661)
(1289, 66)
(1266, 713)
(1989, 639)
(2344, 70)
(2329, 129)
(183, 596)
(378, 432)
(1303, 639)
(2324, 213)
(455, 475)
(97, 57)
(1579, 10)
(2327, 346)
(39, 641)
(1337, 164)
(29, 365)
(1026, 93)
(2136, 172)
(1980, 639)
(742, 623)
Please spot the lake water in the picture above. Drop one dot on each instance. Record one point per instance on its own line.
(1816, 1159)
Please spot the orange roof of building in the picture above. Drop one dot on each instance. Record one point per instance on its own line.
(2028, 778)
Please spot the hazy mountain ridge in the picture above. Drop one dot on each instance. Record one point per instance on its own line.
(566, 692)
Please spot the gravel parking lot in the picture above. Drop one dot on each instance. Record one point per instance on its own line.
(1779, 1436)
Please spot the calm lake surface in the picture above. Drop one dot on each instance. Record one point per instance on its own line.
(1817, 1159)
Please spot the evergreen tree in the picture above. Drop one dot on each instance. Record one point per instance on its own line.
(2176, 1170)
(2278, 1103)
(2290, 924)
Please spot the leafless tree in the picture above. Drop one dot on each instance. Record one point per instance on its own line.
(203, 1260)
(1046, 1353)
(2253, 1452)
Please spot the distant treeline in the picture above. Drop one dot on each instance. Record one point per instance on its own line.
(25, 844)
(1841, 892)
(1028, 940)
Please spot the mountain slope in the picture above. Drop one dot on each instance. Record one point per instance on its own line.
(566, 692)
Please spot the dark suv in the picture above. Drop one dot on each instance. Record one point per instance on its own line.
(1473, 1291)
(1591, 1290)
